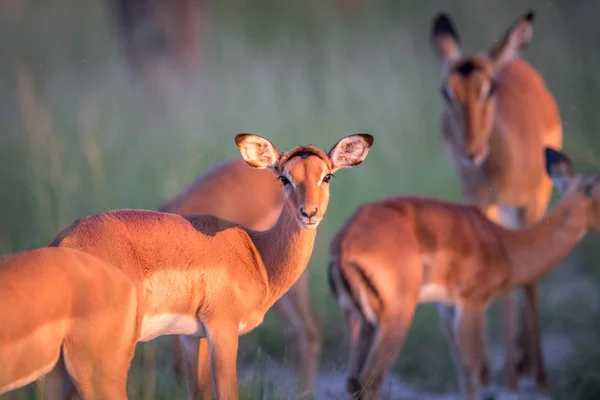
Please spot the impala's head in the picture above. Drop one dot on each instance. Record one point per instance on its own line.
(305, 171)
(470, 82)
(585, 185)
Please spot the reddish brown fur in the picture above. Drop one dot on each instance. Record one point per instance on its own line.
(397, 250)
(252, 198)
(66, 310)
(216, 276)
(495, 140)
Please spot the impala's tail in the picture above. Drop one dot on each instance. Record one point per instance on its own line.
(352, 288)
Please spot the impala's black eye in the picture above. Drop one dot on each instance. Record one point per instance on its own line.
(284, 180)
(327, 178)
(446, 94)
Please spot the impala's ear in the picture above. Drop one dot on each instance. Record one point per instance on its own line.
(444, 40)
(350, 151)
(257, 151)
(515, 40)
(558, 167)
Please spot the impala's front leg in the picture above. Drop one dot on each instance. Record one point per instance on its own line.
(469, 333)
(223, 345)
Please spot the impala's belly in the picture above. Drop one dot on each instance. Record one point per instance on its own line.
(170, 324)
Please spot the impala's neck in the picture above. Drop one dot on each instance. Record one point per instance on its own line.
(537, 249)
(285, 250)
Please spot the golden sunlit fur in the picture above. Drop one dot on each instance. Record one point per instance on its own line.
(252, 198)
(498, 117)
(207, 277)
(398, 252)
(67, 311)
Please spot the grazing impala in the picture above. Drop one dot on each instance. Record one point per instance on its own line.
(395, 253)
(71, 313)
(252, 198)
(498, 118)
(207, 277)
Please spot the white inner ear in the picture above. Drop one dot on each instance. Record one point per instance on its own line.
(349, 152)
(259, 152)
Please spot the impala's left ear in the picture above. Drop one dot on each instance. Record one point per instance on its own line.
(559, 168)
(515, 40)
(350, 151)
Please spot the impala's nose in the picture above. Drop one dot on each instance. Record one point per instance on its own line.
(308, 214)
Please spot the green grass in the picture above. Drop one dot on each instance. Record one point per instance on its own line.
(77, 136)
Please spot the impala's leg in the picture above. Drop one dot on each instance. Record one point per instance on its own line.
(532, 357)
(361, 337)
(387, 343)
(509, 217)
(468, 331)
(178, 358)
(197, 367)
(448, 317)
(298, 313)
(223, 344)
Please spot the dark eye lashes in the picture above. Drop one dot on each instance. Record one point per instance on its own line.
(327, 178)
(284, 180)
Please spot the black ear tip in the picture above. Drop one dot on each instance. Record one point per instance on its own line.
(368, 137)
(554, 157)
(530, 16)
(442, 25)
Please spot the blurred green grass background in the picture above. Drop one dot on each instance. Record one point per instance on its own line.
(78, 137)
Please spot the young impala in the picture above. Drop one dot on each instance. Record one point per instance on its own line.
(71, 313)
(252, 198)
(207, 277)
(395, 253)
(498, 118)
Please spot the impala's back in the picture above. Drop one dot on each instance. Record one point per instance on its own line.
(65, 303)
(234, 191)
(409, 246)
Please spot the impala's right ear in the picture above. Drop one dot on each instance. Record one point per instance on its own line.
(559, 168)
(257, 151)
(444, 40)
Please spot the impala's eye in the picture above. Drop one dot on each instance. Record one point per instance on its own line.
(327, 178)
(284, 180)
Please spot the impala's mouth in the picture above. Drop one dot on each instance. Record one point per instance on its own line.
(309, 223)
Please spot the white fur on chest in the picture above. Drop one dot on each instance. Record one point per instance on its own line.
(170, 324)
(434, 293)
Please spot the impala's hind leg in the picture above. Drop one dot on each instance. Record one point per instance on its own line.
(361, 337)
(297, 312)
(197, 367)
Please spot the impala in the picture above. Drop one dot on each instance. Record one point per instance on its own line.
(398, 252)
(71, 313)
(252, 198)
(497, 119)
(207, 277)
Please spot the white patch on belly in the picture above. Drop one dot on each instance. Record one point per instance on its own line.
(170, 324)
(433, 293)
